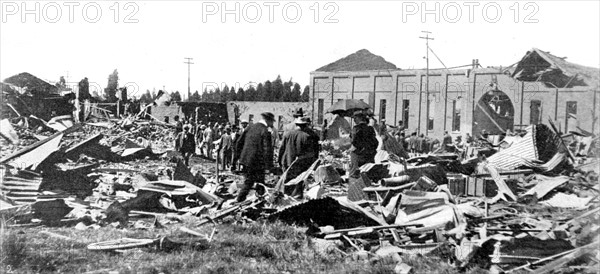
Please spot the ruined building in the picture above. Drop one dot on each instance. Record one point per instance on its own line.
(539, 87)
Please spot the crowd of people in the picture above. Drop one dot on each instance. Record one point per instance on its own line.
(418, 144)
(250, 149)
(209, 139)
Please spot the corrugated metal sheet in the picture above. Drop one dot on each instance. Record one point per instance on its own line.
(20, 190)
(518, 154)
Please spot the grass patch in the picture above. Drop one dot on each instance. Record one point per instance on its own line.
(253, 248)
(13, 250)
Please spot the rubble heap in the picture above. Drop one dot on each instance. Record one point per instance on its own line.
(531, 205)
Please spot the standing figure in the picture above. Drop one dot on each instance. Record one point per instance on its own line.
(178, 124)
(208, 141)
(298, 112)
(364, 143)
(235, 136)
(237, 152)
(412, 143)
(226, 147)
(420, 143)
(447, 142)
(255, 149)
(186, 143)
(200, 138)
(324, 130)
(301, 146)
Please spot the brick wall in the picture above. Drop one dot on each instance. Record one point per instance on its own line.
(466, 87)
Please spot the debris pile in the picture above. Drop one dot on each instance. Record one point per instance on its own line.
(531, 205)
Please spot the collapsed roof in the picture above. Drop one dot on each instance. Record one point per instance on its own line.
(553, 71)
(359, 61)
(31, 83)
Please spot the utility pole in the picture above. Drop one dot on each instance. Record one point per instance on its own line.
(427, 38)
(188, 62)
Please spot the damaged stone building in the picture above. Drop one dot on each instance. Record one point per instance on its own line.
(25, 94)
(538, 88)
(250, 111)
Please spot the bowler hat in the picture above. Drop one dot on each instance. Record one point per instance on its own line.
(268, 116)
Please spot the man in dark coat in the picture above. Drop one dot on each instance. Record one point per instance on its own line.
(420, 144)
(298, 112)
(447, 142)
(236, 152)
(302, 146)
(255, 149)
(185, 142)
(226, 147)
(364, 143)
(235, 136)
(178, 124)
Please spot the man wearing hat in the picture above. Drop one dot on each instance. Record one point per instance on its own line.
(298, 112)
(238, 133)
(186, 143)
(226, 147)
(235, 136)
(244, 124)
(208, 141)
(255, 152)
(301, 146)
(364, 143)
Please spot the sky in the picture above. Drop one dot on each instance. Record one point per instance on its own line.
(241, 42)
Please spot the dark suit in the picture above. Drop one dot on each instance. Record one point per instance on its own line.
(226, 148)
(301, 146)
(298, 143)
(186, 144)
(365, 143)
(255, 150)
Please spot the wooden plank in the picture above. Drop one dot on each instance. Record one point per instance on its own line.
(388, 188)
(30, 148)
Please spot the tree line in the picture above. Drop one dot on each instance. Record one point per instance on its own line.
(269, 91)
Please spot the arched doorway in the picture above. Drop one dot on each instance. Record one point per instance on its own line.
(494, 112)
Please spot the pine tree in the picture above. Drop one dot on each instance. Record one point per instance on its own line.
(225, 95)
(306, 94)
(233, 94)
(205, 96)
(252, 93)
(146, 98)
(217, 95)
(258, 94)
(278, 90)
(287, 91)
(241, 94)
(268, 92)
(195, 97)
(175, 96)
(296, 94)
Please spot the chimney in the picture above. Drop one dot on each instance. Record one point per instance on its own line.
(475, 63)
